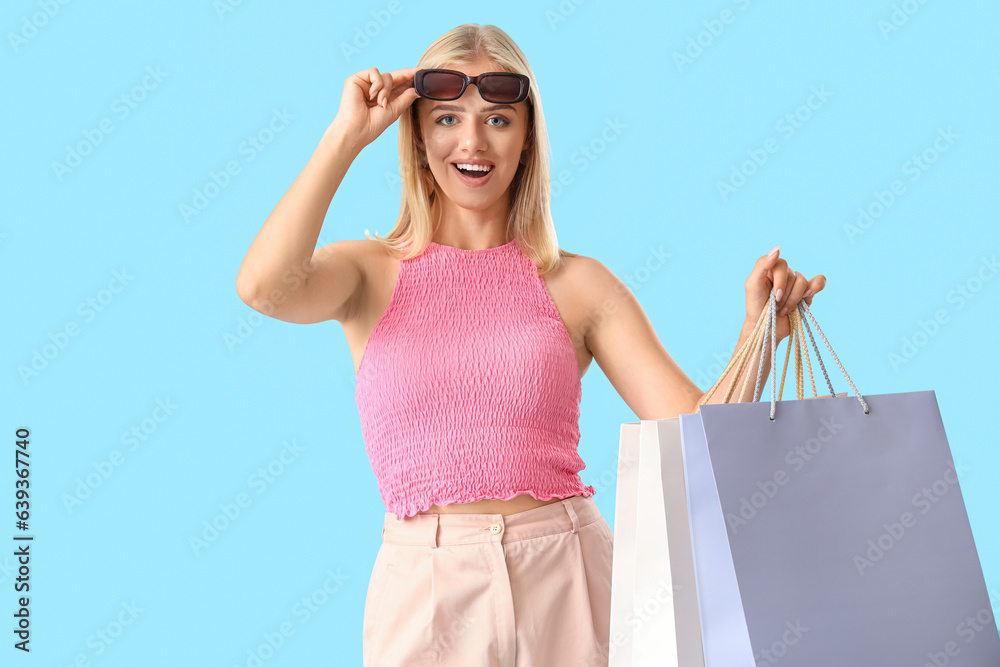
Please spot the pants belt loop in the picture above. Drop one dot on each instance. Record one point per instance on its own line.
(568, 504)
(383, 532)
(437, 523)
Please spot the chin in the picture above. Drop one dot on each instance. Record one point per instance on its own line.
(474, 204)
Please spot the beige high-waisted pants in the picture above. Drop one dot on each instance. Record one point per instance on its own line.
(531, 589)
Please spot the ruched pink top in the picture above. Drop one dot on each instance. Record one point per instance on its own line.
(469, 386)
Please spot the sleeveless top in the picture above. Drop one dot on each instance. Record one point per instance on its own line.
(469, 386)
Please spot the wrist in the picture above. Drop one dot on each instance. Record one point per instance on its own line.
(339, 141)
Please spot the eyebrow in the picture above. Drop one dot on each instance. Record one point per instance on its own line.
(452, 107)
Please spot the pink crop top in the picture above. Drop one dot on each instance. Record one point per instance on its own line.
(469, 386)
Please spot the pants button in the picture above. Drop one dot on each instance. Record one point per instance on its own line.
(496, 528)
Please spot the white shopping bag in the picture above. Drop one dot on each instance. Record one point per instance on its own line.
(655, 618)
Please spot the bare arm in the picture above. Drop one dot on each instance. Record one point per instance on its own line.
(278, 276)
(283, 274)
(630, 354)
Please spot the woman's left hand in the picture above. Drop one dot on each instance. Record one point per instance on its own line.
(790, 287)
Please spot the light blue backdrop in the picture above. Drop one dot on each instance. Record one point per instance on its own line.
(707, 131)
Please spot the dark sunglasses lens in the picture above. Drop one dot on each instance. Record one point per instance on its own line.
(500, 88)
(443, 85)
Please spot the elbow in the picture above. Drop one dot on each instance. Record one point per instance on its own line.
(246, 290)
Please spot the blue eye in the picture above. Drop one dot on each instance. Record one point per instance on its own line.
(503, 121)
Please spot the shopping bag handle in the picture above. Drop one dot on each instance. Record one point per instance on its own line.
(796, 340)
(769, 326)
(754, 341)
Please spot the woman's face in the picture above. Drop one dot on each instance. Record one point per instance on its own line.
(470, 129)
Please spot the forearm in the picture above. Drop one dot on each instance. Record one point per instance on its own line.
(282, 250)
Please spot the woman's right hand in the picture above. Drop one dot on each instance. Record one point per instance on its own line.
(362, 115)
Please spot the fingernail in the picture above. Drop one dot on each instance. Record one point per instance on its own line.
(774, 251)
(808, 293)
(383, 102)
(777, 295)
(783, 311)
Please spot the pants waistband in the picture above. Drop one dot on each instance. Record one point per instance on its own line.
(435, 529)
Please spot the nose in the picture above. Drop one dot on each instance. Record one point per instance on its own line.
(473, 136)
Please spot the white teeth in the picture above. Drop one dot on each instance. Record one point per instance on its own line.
(474, 167)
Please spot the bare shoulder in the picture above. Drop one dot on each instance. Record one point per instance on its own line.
(375, 260)
(591, 280)
(597, 294)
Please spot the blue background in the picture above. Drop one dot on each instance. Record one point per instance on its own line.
(669, 102)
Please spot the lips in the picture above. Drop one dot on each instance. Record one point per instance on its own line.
(480, 177)
(474, 173)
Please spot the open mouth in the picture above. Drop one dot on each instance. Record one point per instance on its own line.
(473, 173)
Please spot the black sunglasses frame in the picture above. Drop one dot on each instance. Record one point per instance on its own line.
(523, 81)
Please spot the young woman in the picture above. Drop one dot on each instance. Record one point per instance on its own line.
(470, 330)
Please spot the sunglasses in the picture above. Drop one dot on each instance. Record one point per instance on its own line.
(448, 84)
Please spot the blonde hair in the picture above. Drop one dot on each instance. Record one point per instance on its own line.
(530, 219)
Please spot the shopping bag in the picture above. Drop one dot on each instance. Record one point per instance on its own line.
(655, 618)
(726, 642)
(663, 502)
(725, 639)
(846, 527)
(623, 563)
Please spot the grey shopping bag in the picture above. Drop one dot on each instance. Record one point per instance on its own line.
(847, 530)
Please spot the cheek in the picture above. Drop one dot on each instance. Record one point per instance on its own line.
(436, 144)
(511, 149)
